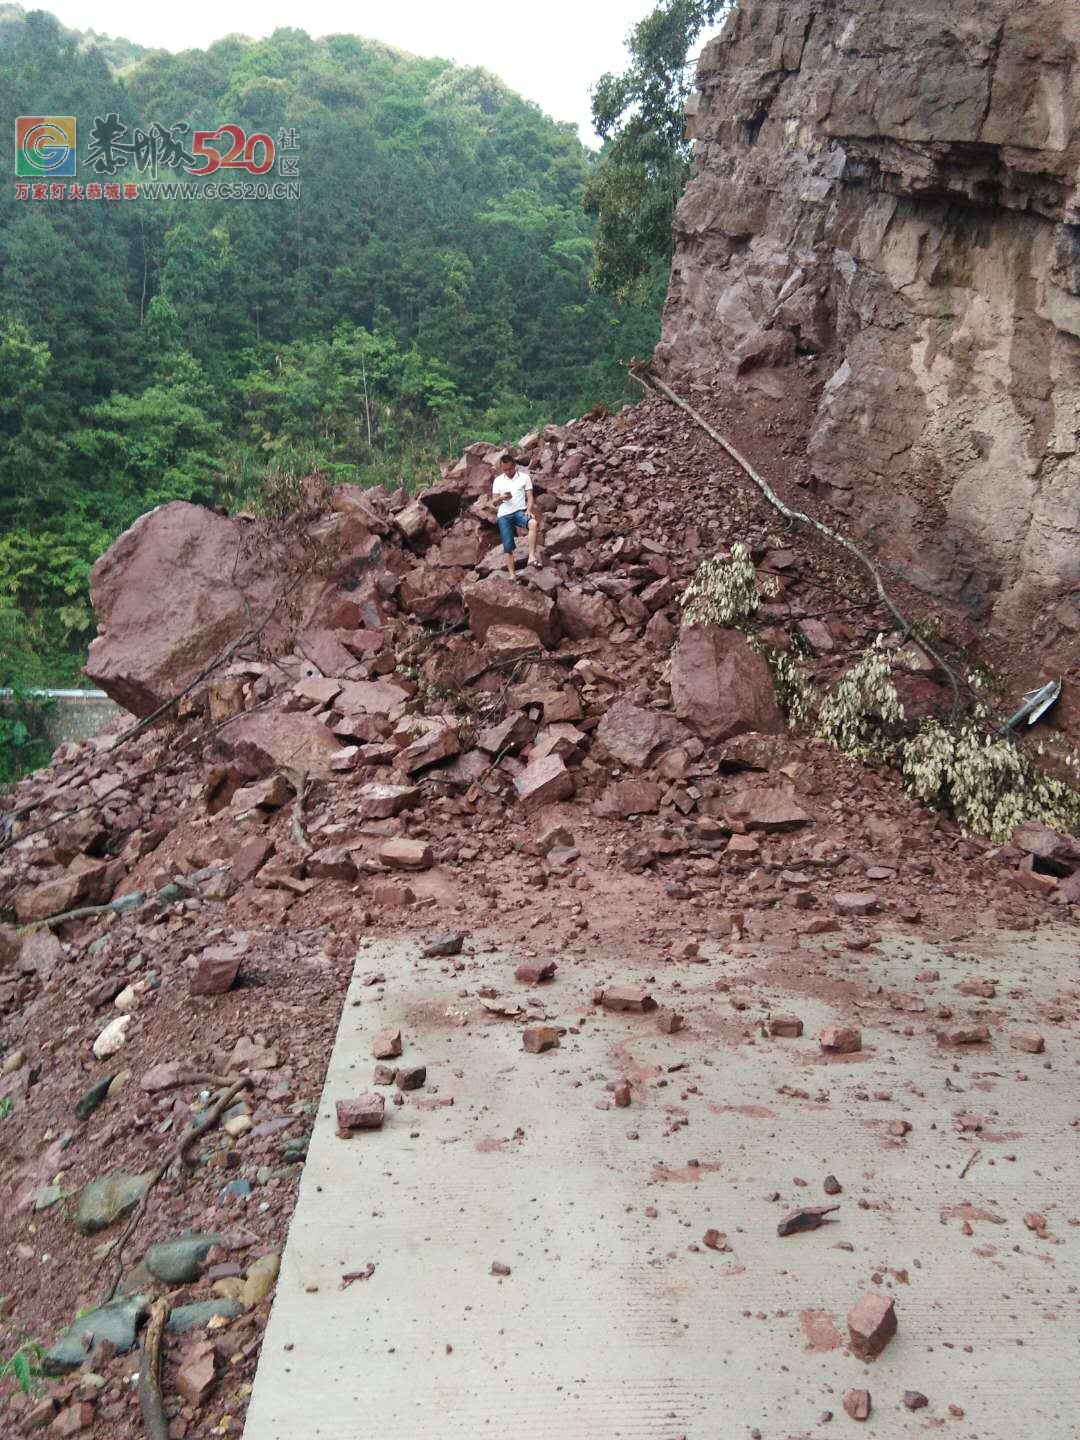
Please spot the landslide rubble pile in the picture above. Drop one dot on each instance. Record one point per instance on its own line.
(378, 730)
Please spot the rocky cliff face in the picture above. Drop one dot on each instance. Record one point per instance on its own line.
(893, 187)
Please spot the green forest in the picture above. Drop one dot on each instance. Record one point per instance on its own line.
(430, 287)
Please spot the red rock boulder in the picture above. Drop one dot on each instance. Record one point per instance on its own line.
(174, 590)
(720, 687)
(502, 602)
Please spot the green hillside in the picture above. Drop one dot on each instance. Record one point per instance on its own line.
(428, 287)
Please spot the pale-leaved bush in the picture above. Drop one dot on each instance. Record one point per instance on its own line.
(795, 693)
(989, 784)
(856, 714)
(725, 590)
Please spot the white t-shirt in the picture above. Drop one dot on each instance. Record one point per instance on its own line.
(515, 487)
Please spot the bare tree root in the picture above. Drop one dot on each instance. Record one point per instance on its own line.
(150, 1397)
(178, 1154)
(642, 372)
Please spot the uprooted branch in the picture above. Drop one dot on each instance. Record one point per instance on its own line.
(298, 779)
(178, 1154)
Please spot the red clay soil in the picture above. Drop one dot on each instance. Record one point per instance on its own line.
(648, 860)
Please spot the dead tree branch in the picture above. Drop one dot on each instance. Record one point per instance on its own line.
(150, 1397)
(177, 1155)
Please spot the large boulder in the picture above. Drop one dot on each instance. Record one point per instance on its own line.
(183, 583)
(720, 686)
(504, 602)
(433, 593)
(582, 616)
(474, 472)
(169, 596)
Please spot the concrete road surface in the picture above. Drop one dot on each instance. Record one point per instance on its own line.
(616, 1322)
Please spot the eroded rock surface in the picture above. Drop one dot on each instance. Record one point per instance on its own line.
(893, 186)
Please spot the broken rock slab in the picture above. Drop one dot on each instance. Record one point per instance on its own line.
(625, 997)
(366, 1112)
(502, 602)
(217, 968)
(840, 1039)
(403, 854)
(786, 1027)
(626, 798)
(538, 1038)
(810, 1217)
(534, 972)
(543, 782)
(383, 802)
(848, 902)
(966, 1035)
(437, 741)
(369, 697)
(386, 1045)
(195, 1377)
(268, 740)
(766, 808)
(857, 1404)
(633, 735)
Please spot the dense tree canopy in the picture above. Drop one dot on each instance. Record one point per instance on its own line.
(431, 286)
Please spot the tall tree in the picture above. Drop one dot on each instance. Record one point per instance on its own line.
(645, 163)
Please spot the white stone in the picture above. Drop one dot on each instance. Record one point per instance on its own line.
(112, 1037)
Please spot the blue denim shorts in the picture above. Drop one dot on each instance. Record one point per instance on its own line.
(508, 527)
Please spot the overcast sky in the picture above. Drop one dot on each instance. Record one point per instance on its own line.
(550, 51)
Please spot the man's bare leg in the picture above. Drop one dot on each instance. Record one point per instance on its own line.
(510, 570)
(534, 535)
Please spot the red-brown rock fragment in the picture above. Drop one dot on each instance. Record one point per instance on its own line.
(810, 1217)
(871, 1325)
(840, 1039)
(538, 1038)
(366, 1112)
(787, 1027)
(857, 1404)
(626, 997)
(386, 1045)
(533, 972)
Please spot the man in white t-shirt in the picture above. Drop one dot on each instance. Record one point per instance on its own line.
(513, 487)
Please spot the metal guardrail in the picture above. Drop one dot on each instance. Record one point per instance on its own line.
(57, 694)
